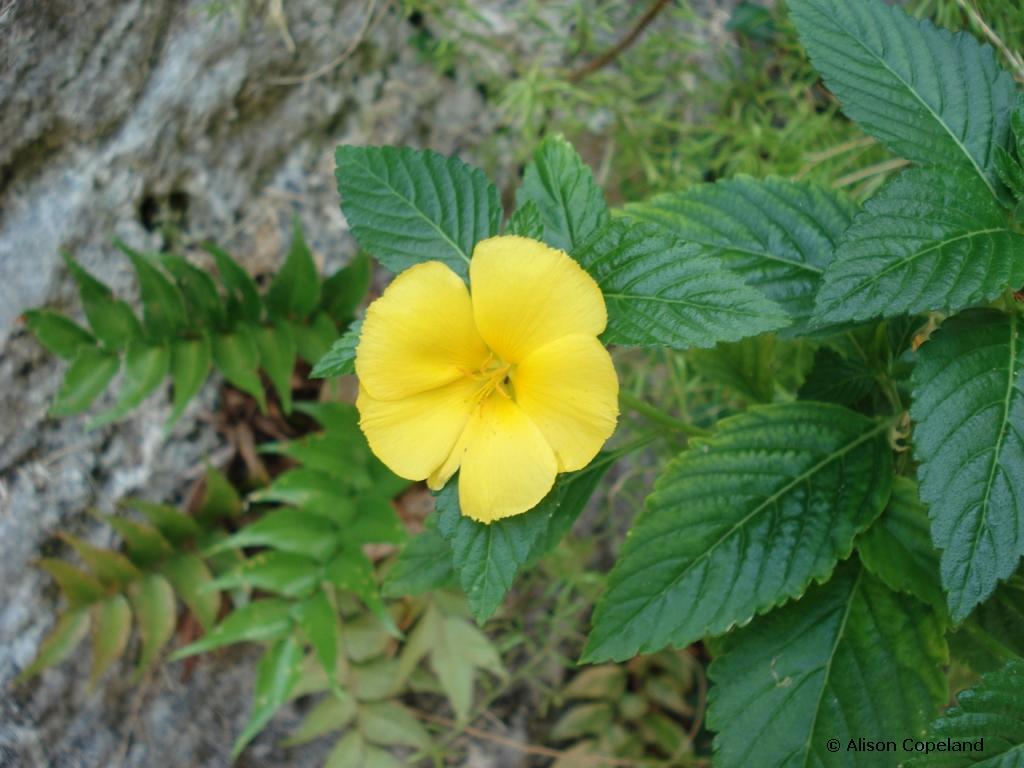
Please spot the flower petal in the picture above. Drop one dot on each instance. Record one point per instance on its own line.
(418, 335)
(507, 467)
(569, 389)
(527, 294)
(414, 435)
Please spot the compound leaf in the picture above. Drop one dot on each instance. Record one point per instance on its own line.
(146, 365)
(89, 374)
(295, 291)
(62, 336)
(276, 675)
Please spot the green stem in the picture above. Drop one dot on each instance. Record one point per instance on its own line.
(645, 409)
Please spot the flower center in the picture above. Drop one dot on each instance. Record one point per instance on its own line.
(495, 375)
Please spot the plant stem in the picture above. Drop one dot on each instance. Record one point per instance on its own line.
(636, 404)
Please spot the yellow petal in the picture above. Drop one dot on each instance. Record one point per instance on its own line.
(526, 295)
(568, 388)
(506, 464)
(414, 435)
(418, 335)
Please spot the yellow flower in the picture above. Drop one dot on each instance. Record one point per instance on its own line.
(511, 386)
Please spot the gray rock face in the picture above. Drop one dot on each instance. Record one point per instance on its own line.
(115, 119)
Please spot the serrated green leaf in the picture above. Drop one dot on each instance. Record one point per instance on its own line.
(89, 374)
(898, 550)
(929, 240)
(190, 365)
(57, 333)
(284, 573)
(220, 499)
(145, 368)
(837, 379)
(163, 308)
(314, 338)
(197, 288)
(390, 724)
(156, 614)
(994, 632)
(144, 544)
(968, 410)
(826, 667)
(932, 97)
(661, 291)
(407, 206)
(991, 712)
(740, 522)
(571, 204)
(746, 366)
(190, 576)
(79, 587)
(287, 530)
(243, 301)
(1009, 172)
(276, 675)
(295, 290)
(778, 235)
(261, 620)
(172, 525)
(424, 564)
(111, 568)
(112, 320)
(318, 620)
(340, 360)
(111, 628)
(331, 713)
(67, 633)
(238, 358)
(277, 357)
(526, 221)
(342, 293)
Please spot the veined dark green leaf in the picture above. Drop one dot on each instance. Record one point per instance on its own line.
(287, 530)
(89, 374)
(276, 675)
(929, 240)
(111, 628)
(341, 359)
(277, 358)
(740, 522)
(994, 632)
(163, 307)
(968, 409)
(424, 564)
(661, 291)
(67, 633)
(824, 667)
(934, 97)
(189, 576)
(57, 333)
(837, 379)
(156, 613)
(295, 291)
(260, 620)
(146, 365)
(898, 549)
(112, 320)
(991, 712)
(244, 301)
(777, 235)
(284, 573)
(746, 366)
(406, 206)
(238, 358)
(571, 204)
(313, 338)
(526, 221)
(205, 309)
(190, 365)
(343, 291)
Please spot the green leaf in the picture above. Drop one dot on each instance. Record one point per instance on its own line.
(220, 499)
(163, 307)
(67, 633)
(318, 620)
(112, 320)
(111, 628)
(238, 358)
(342, 293)
(898, 550)
(932, 97)
(349, 752)
(243, 301)
(111, 568)
(276, 675)
(156, 612)
(57, 333)
(295, 291)
(777, 235)
(261, 620)
(407, 206)
(929, 240)
(331, 713)
(313, 339)
(747, 366)
(144, 544)
(994, 632)
(376, 522)
(456, 651)
(424, 564)
(277, 357)
(591, 719)
(968, 409)
(190, 576)
(991, 712)
(341, 358)
(526, 221)
(335, 452)
(190, 365)
(390, 724)
(661, 291)
(89, 374)
(313, 490)
(284, 573)
(205, 309)
(571, 204)
(79, 587)
(353, 572)
(740, 522)
(1010, 173)
(145, 367)
(837, 379)
(174, 526)
(827, 666)
(287, 530)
